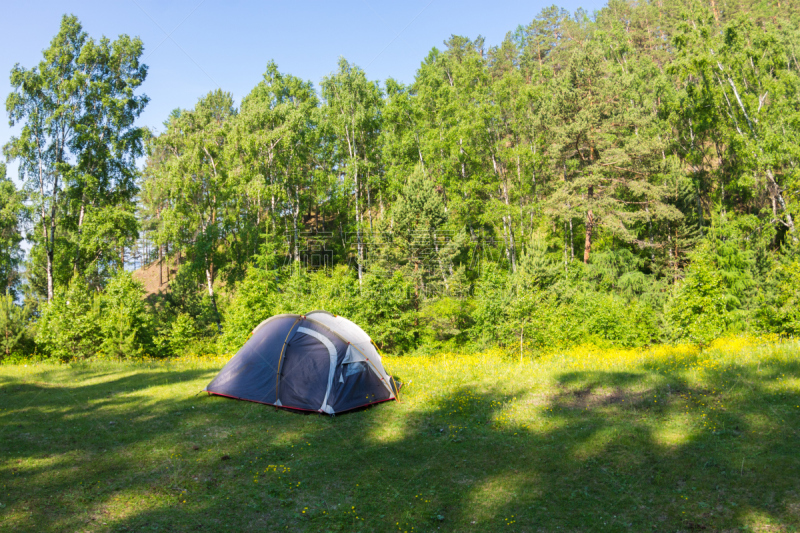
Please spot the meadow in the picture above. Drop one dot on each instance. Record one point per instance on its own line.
(668, 438)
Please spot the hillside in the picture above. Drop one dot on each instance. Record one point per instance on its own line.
(155, 276)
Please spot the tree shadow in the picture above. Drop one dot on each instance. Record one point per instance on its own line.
(620, 451)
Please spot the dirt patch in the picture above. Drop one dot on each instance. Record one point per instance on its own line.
(156, 276)
(595, 397)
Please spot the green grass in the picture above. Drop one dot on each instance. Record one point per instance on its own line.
(588, 440)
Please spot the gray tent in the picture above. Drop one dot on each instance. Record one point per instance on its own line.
(314, 362)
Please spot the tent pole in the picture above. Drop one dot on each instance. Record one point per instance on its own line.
(280, 359)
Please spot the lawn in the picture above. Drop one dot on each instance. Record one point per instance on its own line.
(663, 439)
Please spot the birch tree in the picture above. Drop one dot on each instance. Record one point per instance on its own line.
(352, 118)
(275, 136)
(78, 145)
(193, 177)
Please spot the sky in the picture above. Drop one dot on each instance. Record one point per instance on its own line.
(193, 47)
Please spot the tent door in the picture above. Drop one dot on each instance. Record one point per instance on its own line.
(307, 371)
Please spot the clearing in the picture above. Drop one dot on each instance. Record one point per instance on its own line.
(662, 439)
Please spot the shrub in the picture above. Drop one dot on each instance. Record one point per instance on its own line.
(253, 302)
(182, 334)
(551, 320)
(125, 323)
(699, 310)
(446, 322)
(779, 310)
(386, 310)
(69, 326)
(14, 328)
(492, 302)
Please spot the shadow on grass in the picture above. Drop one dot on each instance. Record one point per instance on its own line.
(596, 451)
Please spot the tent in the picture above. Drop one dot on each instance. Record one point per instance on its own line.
(314, 362)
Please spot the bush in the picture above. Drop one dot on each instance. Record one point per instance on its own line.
(446, 323)
(383, 305)
(188, 294)
(182, 334)
(491, 311)
(779, 310)
(386, 310)
(125, 323)
(566, 314)
(575, 318)
(332, 290)
(253, 302)
(69, 326)
(15, 338)
(700, 309)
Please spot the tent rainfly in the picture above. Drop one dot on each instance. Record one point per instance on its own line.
(314, 362)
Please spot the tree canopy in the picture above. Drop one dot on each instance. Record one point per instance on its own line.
(643, 158)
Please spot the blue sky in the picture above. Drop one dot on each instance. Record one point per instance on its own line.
(193, 47)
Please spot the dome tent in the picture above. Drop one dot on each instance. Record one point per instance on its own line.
(313, 362)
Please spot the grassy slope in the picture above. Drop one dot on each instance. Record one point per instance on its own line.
(590, 440)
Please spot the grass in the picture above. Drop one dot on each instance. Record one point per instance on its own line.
(664, 439)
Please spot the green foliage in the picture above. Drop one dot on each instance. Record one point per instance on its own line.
(788, 305)
(418, 214)
(446, 322)
(779, 304)
(507, 308)
(710, 301)
(80, 322)
(386, 310)
(335, 291)
(492, 299)
(125, 322)
(69, 325)
(255, 301)
(585, 180)
(15, 328)
(12, 214)
(181, 334)
(579, 317)
(702, 307)
(77, 151)
(189, 296)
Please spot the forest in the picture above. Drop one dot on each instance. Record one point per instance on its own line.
(622, 178)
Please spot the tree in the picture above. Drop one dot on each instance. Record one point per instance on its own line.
(12, 212)
(78, 144)
(125, 321)
(191, 176)
(352, 120)
(605, 142)
(14, 322)
(418, 214)
(275, 135)
(739, 90)
(451, 93)
(69, 325)
(700, 309)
